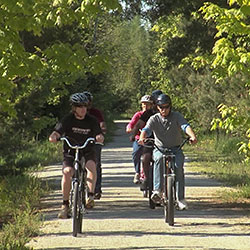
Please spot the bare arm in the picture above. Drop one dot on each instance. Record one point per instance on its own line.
(54, 136)
(140, 124)
(103, 127)
(191, 134)
(143, 136)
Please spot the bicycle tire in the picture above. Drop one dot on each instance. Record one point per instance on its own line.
(82, 200)
(170, 203)
(75, 209)
(150, 188)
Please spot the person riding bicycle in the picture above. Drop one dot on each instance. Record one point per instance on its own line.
(166, 127)
(147, 152)
(79, 126)
(146, 104)
(98, 147)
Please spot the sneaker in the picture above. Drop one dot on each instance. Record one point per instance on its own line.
(156, 196)
(64, 213)
(90, 202)
(137, 178)
(182, 205)
(98, 196)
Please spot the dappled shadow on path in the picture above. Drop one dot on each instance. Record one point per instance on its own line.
(121, 202)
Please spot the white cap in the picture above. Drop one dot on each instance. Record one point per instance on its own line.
(146, 98)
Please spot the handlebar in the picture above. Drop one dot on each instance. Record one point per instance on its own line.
(152, 142)
(89, 140)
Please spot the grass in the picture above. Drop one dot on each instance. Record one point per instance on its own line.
(20, 198)
(219, 159)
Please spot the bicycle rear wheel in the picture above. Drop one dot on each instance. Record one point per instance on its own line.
(75, 209)
(170, 203)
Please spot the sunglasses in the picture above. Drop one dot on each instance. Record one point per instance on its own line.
(164, 107)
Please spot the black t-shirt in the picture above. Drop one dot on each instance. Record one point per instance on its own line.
(145, 116)
(78, 130)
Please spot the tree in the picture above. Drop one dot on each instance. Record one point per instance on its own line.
(128, 45)
(231, 60)
(64, 61)
(42, 52)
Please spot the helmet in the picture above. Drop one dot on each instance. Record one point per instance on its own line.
(79, 99)
(163, 99)
(89, 95)
(146, 98)
(155, 94)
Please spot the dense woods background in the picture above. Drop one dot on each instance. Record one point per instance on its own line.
(195, 51)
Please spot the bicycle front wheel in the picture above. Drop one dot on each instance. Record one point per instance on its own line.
(82, 199)
(170, 203)
(75, 209)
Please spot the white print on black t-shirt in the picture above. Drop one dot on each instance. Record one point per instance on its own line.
(83, 131)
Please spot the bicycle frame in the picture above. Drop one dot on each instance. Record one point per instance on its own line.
(169, 181)
(78, 186)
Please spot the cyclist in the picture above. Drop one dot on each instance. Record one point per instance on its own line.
(166, 127)
(100, 118)
(146, 104)
(147, 152)
(79, 126)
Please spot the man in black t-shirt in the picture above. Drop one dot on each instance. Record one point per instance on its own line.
(79, 126)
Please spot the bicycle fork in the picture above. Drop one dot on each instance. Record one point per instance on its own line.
(168, 171)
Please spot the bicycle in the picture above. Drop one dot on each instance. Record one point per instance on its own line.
(168, 199)
(78, 194)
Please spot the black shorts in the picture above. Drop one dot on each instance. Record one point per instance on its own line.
(147, 150)
(69, 157)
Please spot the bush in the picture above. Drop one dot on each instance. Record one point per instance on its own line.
(17, 234)
(19, 192)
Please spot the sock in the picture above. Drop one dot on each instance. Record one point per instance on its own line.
(65, 202)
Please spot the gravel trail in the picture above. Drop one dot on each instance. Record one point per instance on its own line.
(123, 220)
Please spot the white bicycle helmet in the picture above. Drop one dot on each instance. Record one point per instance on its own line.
(89, 95)
(146, 98)
(79, 99)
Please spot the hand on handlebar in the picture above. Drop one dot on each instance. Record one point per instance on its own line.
(192, 140)
(54, 137)
(100, 138)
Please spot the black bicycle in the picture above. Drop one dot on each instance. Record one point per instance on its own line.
(168, 199)
(79, 192)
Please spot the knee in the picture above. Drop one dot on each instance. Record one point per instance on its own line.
(68, 172)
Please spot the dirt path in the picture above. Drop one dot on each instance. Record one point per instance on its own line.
(123, 220)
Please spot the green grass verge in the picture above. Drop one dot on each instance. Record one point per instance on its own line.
(219, 159)
(20, 220)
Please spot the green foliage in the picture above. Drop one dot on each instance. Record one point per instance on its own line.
(218, 157)
(27, 156)
(16, 61)
(19, 220)
(16, 235)
(19, 193)
(232, 59)
(44, 49)
(128, 46)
